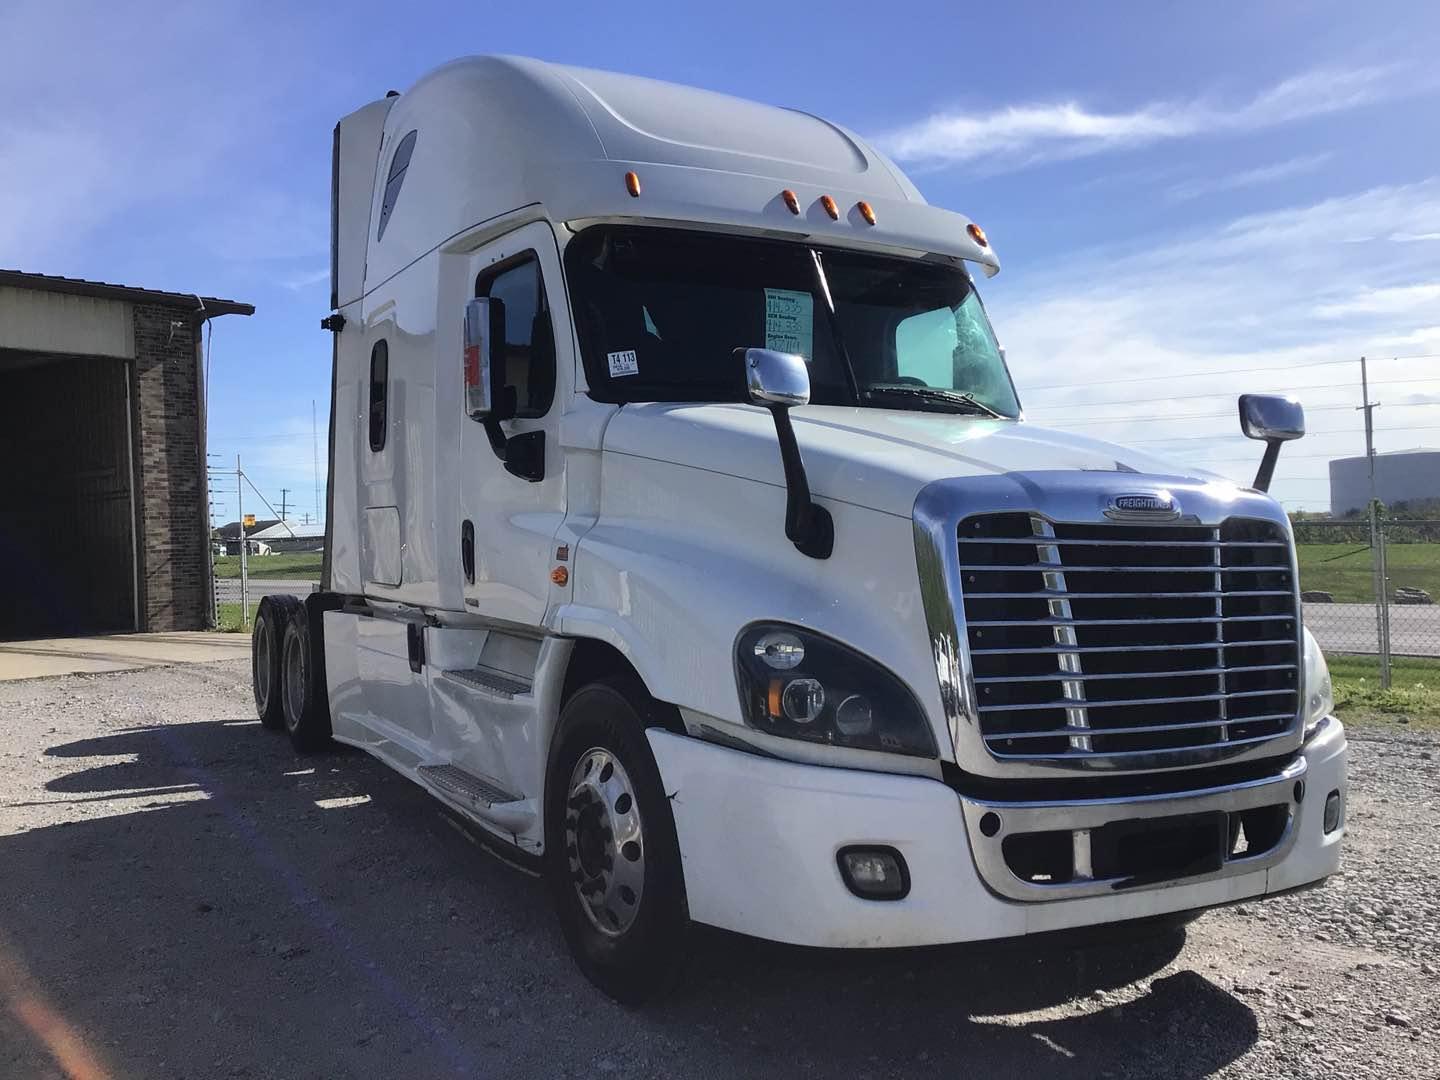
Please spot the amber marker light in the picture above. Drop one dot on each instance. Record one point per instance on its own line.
(772, 699)
(791, 200)
(830, 208)
(632, 185)
(560, 576)
(866, 211)
(977, 234)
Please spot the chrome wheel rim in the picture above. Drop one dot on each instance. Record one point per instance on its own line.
(604, 842)
(261, 673)
(294, 680)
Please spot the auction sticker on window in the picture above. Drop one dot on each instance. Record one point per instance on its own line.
(623, 363)
(789, 322)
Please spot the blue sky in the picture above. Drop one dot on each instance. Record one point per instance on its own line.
(1234, 196)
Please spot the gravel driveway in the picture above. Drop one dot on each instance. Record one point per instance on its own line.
(181, 896)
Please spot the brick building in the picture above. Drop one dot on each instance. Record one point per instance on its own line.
(103, 499)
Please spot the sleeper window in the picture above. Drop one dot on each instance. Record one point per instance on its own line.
(379, 391)
(529, 338)
(399, 164)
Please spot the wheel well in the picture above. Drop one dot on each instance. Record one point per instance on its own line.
(593, 660)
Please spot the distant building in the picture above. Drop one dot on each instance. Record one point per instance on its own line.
(292, 536)
(1400, 476)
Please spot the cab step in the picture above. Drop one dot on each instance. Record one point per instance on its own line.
(457, 781)
(497, 683)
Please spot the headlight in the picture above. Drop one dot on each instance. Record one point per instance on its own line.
(799, 685)
(1319, 694)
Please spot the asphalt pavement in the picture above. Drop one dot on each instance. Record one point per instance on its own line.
(1350, 628)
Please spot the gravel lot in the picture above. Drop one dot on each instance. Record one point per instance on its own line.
(181, 896)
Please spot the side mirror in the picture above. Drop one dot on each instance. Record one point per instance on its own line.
(776, 378)
(1273, 420)
(779, 381)
(484, 356)
(487, 397)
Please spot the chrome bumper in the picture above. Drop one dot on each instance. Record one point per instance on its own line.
(1080, 817)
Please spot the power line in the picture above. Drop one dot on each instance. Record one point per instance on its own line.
(1310, 434)
(1228, 393)
(1234, 371)
(1230, 412)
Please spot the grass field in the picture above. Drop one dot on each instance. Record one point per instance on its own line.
(298, 564)
(1344, 569)
(1412, 702)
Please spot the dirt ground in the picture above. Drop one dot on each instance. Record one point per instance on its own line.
(182, 896)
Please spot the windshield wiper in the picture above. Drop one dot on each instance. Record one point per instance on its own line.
(959, 401)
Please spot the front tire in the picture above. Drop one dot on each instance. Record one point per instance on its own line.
(612, 857)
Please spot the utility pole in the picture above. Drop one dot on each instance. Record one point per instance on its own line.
(1377, 538)
(283, 492)
(315, 456)
(244, 562)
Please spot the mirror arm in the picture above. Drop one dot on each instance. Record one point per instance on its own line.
(808, 525)
(1267, 465)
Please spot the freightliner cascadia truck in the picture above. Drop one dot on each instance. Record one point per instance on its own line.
(687, 537)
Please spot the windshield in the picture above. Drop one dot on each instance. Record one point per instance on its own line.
(659, 313)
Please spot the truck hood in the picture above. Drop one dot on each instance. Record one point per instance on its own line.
(876, 458)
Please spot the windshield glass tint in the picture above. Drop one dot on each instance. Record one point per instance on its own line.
(660, 313)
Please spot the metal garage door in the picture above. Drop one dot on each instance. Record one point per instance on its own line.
(67, 556)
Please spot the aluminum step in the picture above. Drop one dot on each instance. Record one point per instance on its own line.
(467, 785)
(492, 682)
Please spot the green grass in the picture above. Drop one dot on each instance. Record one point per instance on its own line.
(1412, 703)
(1344, 570)
(296, 564)
(229, 619)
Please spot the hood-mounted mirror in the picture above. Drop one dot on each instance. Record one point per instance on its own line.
(1273, 420)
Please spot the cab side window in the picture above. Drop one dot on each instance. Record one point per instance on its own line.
(529, 336)
(379, 393)
(399, 165)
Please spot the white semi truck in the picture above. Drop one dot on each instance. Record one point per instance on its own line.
(686, 535)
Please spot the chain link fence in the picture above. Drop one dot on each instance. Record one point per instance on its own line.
(1372, 598)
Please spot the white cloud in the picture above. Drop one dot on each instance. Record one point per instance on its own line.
(1021, 134)
(160, 111)
(305, 280)
(1148, 346)
(1265, 174)
(1391, 301)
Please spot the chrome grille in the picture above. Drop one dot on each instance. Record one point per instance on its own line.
(1117, 641)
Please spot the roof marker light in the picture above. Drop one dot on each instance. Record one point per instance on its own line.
(632, 185)
(866, 211)
(830, 208)
(791, 200)
(977, 234)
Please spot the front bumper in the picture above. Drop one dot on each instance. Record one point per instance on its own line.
(759, 837)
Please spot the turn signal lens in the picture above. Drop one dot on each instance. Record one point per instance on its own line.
(791, 200)
(830, 208)
(560, 576)
(632, 185)
(977, 234)
(866, 212)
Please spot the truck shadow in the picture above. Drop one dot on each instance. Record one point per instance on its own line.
(214, 905)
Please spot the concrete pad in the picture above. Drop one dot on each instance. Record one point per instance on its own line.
(116, 652)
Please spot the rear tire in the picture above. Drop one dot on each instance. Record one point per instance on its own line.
(612, 857)
(266, 641)
(306, 712)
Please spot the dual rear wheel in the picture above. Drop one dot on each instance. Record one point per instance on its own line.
(288, 682)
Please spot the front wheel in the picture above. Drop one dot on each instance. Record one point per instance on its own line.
(613, 860)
